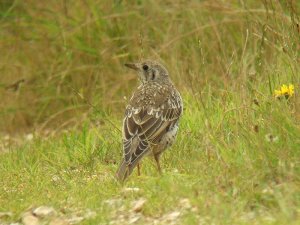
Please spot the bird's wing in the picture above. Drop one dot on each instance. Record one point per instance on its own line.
(146, 125)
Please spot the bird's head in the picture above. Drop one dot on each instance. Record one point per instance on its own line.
(149, 71)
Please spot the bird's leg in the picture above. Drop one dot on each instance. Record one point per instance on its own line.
(156, 157)
(139, 169)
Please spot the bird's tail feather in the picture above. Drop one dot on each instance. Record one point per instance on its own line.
(122, 172)
(125, 170)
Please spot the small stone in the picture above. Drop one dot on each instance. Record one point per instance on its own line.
(6, 214)
(44, 211)
(75, 219)
(29, 219)
(138, 205)
(171, 216)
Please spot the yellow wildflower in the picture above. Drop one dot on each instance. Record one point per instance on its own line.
(286, 91)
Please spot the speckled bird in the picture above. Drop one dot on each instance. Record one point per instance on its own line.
(151, 117)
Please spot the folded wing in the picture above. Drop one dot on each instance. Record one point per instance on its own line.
(145, 126)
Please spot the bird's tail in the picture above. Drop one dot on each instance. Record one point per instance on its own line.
(126, 169)
(123, 172)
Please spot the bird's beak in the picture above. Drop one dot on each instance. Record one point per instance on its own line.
(132, 66)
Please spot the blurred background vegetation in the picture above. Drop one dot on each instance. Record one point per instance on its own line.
(71, 54)
(236, 158)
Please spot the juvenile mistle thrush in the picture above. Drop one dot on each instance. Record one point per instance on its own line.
(151, 118)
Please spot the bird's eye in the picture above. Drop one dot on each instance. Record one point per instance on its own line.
(145, 67)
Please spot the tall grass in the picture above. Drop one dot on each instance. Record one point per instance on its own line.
(82, 45)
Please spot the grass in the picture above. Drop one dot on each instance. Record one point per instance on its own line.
(230, 173)
(236, 158)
